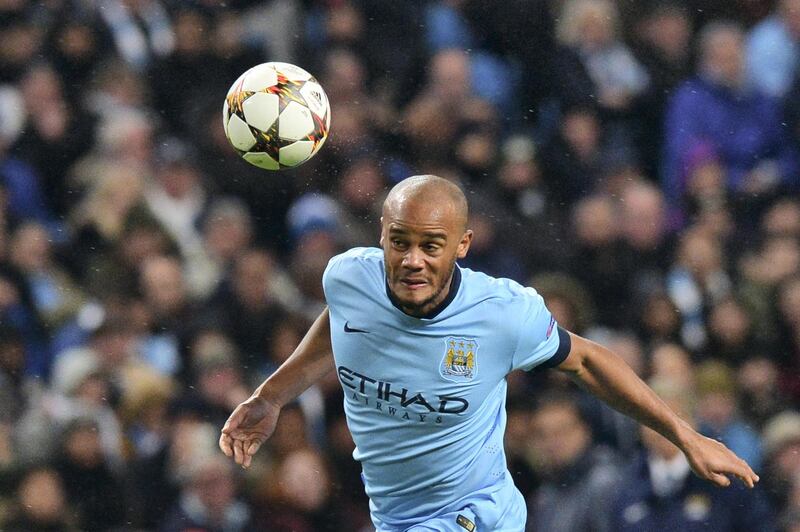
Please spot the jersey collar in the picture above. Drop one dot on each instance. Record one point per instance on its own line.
(455, 283)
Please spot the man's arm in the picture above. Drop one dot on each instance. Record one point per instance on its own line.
(253, 421)
(608, 377)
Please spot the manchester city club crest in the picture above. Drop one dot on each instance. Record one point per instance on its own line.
(460, 362)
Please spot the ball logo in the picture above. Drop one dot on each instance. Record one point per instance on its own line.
(459, 363)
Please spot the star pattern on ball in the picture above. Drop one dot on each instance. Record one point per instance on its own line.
(276, 119)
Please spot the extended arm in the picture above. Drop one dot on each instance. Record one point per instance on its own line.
(253, 421)
(608, 377)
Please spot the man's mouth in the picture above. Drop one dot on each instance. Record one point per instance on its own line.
(413, 284)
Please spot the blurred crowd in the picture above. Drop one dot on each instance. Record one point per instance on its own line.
(637, 162)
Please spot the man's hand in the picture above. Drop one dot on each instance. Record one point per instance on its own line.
(712, 461)
(253, 421)
(249, 426)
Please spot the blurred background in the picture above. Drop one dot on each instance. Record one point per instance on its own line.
(637, 162)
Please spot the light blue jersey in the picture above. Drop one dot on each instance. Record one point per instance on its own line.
(425, 397)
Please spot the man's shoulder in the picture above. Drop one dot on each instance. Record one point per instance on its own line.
(356, 258)
(353, 267)
(360, 253)
(483, 287)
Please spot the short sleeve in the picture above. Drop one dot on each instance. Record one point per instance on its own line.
(542, 343)
(348, 273)
(329, 276)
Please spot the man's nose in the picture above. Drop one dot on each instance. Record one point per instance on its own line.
(413, 259)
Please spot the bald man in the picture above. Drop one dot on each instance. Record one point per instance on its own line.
(422, 348)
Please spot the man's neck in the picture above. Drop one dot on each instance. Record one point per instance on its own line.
(435, 306)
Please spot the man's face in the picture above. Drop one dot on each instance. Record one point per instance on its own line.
(421, 242)
(724, 58)
(559, 436)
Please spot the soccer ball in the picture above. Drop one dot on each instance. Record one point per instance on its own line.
(276, 116)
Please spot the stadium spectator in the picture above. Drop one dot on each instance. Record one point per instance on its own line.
(782, 455)
(79, 391)
(743, 125)
(19, 314)
(95, 97)
(91, 485)
(12, 372)
(591, 28)
(208, 500)
(215, 370)
(611, 428)
(56, 135)
(658, 490)
(189, 68)
(178, 198)
(569, 299)
(519, 445)
(226, 232)
(596, 231)
(141, 31)
(697, 281)
(245, 307)
(647, 243)
(56, 296)
(346, 482)
(361, 191)
(313, 249)
(447, 107)
(761, 395)
(573, 159)
(578, 478)
(41, 504)
(730, 329)
(717, 411)
(662, 43)
(672, 362)
(77, 48)
(487, 255)
(301, 501)
(163, 286)
(156, 476)
(21, 186)
(772, 50)
(23, 42)
(115, 272)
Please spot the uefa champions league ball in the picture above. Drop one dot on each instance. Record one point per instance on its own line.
(276, 116)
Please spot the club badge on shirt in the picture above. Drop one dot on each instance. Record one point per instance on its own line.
(459, 363)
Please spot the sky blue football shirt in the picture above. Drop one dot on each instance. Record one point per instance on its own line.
(425, 397)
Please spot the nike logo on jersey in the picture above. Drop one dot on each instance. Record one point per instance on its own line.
(347, 329)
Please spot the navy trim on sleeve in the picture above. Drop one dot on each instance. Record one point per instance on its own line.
(564, 347)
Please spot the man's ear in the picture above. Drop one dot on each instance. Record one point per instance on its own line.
(381, 240)
(463, 246)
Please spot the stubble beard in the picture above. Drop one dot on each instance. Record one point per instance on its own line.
(430, 303)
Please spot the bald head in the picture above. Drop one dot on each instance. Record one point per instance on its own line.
(423, 233)
(431, 194)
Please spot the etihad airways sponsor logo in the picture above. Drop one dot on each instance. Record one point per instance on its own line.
(397, 401)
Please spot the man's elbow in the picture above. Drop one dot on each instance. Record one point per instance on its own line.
(576, 363)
